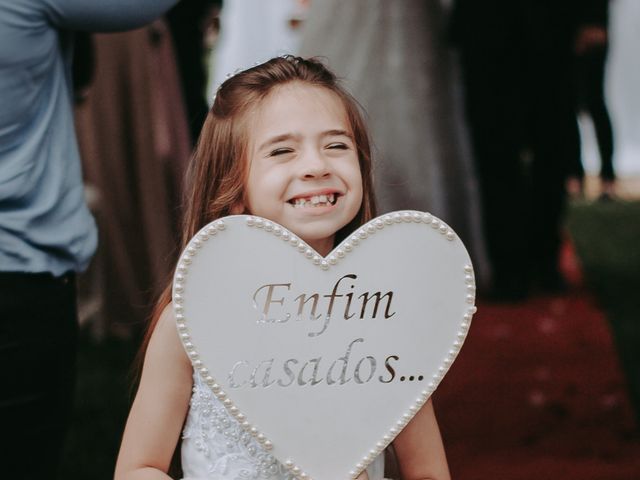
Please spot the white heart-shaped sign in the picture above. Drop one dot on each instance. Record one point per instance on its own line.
(324, 357)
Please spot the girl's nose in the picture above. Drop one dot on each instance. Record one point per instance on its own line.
(314, 165)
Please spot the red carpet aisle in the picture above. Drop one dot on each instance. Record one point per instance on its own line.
(537, 393)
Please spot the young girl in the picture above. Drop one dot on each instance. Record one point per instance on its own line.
(283, 141)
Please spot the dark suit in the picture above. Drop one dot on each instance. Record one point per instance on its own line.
(187, 21)
(516, 62)
(589, 87)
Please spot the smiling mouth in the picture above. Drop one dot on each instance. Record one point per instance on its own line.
(323, 200)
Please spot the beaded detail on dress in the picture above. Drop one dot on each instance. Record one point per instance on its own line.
(214, 445)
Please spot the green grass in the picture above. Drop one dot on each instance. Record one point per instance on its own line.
(607, 239)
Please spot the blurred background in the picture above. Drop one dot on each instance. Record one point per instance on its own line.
(515, 121)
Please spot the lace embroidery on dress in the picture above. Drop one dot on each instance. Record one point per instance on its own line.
(214, 444)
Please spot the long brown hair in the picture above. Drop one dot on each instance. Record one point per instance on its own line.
(218, 168)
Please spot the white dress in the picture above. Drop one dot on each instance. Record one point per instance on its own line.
(251, 31)
(215, 446)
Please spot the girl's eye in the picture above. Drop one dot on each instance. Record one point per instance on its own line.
(338, 146)
(280, 151)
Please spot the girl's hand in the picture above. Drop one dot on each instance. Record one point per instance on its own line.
(158, 411)
(363, 476)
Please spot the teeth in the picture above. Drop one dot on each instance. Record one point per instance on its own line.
(315, 201)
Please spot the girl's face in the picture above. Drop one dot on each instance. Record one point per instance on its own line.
(304, 172)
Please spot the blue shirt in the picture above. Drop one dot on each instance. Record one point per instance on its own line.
(45, 225)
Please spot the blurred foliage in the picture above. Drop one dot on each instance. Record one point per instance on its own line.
(606, 236)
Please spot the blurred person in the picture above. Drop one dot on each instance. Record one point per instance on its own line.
(46, 231)
(485, 34)
(134, 142)
(591, 48)
(252, 31)
(394, 58)
(187, 22)
(516, 62)
(551, 130)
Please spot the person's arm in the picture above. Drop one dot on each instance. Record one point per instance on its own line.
(160, 407)
(104, 15)
(419, 448)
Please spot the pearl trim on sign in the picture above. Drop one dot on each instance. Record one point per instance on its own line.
(358, 236)
(339, 253)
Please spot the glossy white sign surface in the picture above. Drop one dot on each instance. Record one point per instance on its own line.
(324, 360)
